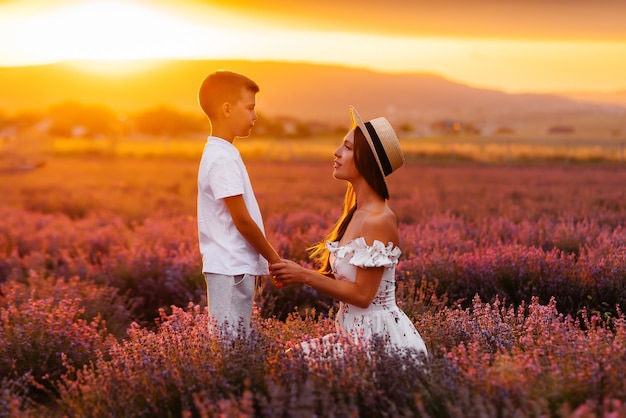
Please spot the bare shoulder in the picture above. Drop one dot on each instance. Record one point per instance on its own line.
(381, 226)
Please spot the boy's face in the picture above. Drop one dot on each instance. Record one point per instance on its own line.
(242, 114)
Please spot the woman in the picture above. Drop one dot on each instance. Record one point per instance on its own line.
(359, 255)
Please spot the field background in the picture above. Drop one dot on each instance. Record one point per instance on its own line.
(508, 149)
(513, 270)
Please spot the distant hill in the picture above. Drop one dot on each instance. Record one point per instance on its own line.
(617, 98)
(305, 91)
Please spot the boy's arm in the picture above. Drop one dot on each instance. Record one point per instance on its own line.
(249, 229)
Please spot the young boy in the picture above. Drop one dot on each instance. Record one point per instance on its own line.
(230, 227)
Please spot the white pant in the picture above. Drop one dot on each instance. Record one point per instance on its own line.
(230, 298)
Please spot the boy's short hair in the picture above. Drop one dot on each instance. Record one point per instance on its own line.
(220, 87)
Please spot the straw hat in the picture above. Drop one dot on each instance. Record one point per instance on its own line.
(383, 142)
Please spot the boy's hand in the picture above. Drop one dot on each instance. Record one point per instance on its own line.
(277, 282)
(287, 272)
(275, 279)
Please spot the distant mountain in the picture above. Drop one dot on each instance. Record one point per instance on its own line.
(304, 91)
(617, 98)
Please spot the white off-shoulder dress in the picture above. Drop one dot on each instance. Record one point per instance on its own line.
(382, 317)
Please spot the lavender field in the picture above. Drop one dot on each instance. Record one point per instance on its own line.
(514, 274)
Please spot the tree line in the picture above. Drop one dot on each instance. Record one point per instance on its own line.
(75, 119)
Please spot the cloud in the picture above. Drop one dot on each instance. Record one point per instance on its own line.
(506, 19)
(513, 19)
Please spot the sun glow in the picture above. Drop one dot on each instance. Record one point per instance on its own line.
(96, 30)
(104, 30)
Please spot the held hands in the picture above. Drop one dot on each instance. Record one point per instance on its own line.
(286, 272)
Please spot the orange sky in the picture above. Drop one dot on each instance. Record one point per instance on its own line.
(515, 45)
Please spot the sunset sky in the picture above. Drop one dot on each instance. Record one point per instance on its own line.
(514, 45)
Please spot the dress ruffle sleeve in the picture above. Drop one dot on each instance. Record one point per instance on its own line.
(362, 255)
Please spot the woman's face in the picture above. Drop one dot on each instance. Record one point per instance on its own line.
(344, 167)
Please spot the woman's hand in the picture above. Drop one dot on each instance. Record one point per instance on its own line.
(287, 272)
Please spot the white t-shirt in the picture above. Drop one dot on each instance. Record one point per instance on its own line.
(224, 250)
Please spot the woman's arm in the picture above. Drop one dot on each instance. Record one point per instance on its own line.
(360, 293)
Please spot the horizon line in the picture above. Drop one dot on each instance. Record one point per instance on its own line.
(114, 61)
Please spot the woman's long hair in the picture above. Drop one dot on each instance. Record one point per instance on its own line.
(367, 166)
